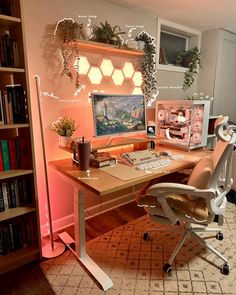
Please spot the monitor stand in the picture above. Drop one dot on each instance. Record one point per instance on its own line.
(113, 140)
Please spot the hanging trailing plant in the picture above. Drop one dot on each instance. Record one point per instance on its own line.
(190, 59)
(67, 32)
(148, 64)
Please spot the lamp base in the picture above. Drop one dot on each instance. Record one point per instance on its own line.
(48, 252)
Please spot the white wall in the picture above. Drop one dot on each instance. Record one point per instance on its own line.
(40, 19)
(218, 75)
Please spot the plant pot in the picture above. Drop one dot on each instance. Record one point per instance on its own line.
(64, 141)
(86, 32)
(141, 45)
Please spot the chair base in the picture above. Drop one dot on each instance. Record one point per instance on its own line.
(187, 230)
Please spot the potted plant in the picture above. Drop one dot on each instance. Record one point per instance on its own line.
(67, 32)
(108, 34)
(65, 128)
(190, 59)
(148, 65)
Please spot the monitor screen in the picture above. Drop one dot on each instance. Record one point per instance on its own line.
(118, 113)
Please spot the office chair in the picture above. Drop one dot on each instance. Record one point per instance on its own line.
(199, 202)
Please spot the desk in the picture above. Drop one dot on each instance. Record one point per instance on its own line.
(103, 184)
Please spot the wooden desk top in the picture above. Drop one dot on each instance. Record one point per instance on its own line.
(102, 183)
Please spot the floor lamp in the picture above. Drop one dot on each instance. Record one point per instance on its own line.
(53, 249)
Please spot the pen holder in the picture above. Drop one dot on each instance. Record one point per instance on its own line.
(84, 154)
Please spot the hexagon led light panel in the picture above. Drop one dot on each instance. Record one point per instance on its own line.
(137, 90)
(128, 69)
(106, 67)
(137, 79)
(118, 77)
(95, 75)
(83, 65)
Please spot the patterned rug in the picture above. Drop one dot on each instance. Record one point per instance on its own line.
(135, 265)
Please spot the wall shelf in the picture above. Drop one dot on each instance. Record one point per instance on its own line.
(103, 47)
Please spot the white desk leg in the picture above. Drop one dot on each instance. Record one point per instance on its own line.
(80, 243)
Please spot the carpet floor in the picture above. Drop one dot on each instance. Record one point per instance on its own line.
(135, 265)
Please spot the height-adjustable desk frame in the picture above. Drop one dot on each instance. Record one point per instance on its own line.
(103, 184)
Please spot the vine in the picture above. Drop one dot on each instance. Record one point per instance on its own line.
(148, 65)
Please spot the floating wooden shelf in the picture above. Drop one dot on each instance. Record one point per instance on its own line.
(103, 47)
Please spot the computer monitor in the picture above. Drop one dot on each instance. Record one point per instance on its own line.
(116, 114)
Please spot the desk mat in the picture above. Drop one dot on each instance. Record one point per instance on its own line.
(123, 172)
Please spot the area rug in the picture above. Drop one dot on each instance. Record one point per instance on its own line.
(135, 265)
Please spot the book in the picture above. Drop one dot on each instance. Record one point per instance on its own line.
(22, 153)
(15, 53)
(2, 207)
(17, 102)
(5, 195)
(6, 238)
(8, 194)
(12, 153)
(5, 155)
(1, 159)
(6, 103)
(16, 192)
(21, 194)
(2, 121)
(12, 194)
(1, 242)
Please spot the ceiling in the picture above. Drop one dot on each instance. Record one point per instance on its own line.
(199, 14)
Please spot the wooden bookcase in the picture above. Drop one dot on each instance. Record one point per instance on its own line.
(19, 222)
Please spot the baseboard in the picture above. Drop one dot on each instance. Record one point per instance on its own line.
(62, 223)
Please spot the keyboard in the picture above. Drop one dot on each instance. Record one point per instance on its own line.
(146, 159)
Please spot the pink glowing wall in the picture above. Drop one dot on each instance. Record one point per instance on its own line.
(57, 93)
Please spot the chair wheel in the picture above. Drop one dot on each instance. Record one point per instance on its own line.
(219, 236)
(146, 237)
(167, 268)
(224, 269)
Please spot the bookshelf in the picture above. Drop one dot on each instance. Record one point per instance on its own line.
(19, 223)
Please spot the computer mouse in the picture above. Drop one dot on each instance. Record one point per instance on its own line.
(164, 153)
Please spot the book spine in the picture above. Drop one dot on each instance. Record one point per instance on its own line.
(5, 195)
(2, 207)
(1, 159)
(16, 191)
(1, 241)
(5, 155)
(16, 53)
(22, 153)
(2, 110)
(12, 153)
(21, 192)
(6, 107)
(6, 239)
(12, 194)
(10, 205)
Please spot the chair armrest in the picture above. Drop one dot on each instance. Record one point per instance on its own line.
(164, 189)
